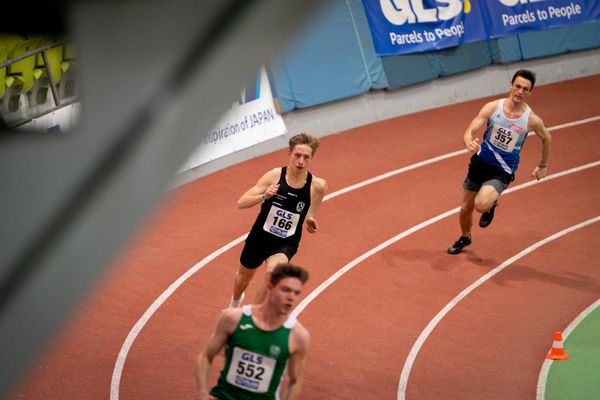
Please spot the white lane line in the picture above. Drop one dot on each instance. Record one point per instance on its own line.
(137, 328)
(392, 173)
(543, 378)
(118, 369)
(440, 158)
(308, 299)
(329, 281)
(574, 123)
(435, 321)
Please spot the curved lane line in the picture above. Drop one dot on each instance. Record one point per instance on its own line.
(139, 325)
(543, 378)
(440, 158)
(435, 321)
(118, 370)
(308, 299)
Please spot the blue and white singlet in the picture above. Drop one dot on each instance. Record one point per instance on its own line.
(503, 140)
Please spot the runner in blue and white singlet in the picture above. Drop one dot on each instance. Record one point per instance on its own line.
(504, 139)
(492, 168)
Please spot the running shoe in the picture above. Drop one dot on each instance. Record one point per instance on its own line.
(460, 244)
(487, 217)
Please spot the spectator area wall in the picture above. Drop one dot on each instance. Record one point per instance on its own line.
(330, 79)
(334, 57)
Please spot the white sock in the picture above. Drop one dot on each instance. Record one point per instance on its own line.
(236, 303)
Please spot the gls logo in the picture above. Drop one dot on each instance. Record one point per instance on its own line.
(398, 12)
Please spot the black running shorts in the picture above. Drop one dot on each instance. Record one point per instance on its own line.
(255, 253)
(481, 174)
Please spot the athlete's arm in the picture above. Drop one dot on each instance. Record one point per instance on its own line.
(317, 192)
(266, 186)
(537, 125)
(477, 124)
(299, 340)
(225, 327)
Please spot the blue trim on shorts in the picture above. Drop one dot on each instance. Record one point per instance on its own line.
(480, 173)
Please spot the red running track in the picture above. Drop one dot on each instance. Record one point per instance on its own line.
(490, 345)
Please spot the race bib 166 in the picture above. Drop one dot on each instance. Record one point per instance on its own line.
(280, 222)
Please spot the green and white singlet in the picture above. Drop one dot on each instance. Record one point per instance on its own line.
(255, 360)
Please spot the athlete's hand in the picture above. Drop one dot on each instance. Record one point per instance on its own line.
(539, 173)
(271, 190)
(311, 224)
(473, 145)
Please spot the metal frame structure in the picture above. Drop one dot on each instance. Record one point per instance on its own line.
(46, 65)
(153, 77)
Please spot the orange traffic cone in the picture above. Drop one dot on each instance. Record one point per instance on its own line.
(558, 351)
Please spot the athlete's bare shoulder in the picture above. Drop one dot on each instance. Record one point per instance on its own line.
(536, 124)
(229, 319)
(534, 120)
(270, 177)
(489, 107)
(319, 185)
(274, 173)
(299, 338)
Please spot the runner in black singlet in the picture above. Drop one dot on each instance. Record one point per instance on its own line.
(289, 198)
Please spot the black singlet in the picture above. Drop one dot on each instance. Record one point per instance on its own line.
(281, 217)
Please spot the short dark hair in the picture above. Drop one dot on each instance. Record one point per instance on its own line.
(307, 139)
(287, 270)
(525, 73)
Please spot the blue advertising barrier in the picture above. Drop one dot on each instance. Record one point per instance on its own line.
(414, 26)
(334, 57)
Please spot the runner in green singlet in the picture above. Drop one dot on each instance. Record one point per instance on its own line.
(260, 341)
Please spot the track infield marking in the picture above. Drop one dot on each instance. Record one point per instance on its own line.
(543, 378)
(404, 376)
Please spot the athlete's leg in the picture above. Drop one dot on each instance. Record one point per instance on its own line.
(465, 218)
(486, 198)
(272, 262)
(466, 212)
(241, 280)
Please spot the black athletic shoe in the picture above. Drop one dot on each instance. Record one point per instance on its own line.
(487, 217)
(460, 244)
